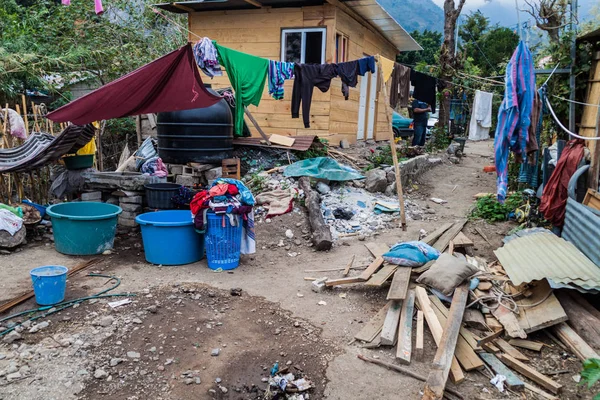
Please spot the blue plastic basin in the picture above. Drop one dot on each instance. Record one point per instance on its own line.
(49, 284)
(170, 238)
(84, 228)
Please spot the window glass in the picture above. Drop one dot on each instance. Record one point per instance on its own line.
(303, 45)
(313, 47)
(293, 46)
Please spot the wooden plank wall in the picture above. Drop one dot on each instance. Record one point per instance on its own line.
(258, 32)
(590, 113)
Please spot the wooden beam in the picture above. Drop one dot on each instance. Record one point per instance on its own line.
(580, 318)
(511, 351)
(400, 282)
(381, 276)
(254, 3)
(526, 344)
(182, 7)
(436, 330)
(374, 326)
(374, 266)
(530, 373)
(404, 349)
(442, 243)
(436, 382)
(420, 339)
(344, 281)
(256, 125)
(540, 392)
(390, 324)
(435, 235)
(347, 269)
(595, 155)
(574, 342)
(377, 249)
(512, 381)
(490, 338)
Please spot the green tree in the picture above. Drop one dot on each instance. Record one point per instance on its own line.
(430, 41)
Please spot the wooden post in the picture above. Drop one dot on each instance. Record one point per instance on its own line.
(436, 382)
(138, 129)
(258, 128)
(99, 146)
(595, 162)
(35, 124)
(25, 116)
(5, 129)
(393, 148)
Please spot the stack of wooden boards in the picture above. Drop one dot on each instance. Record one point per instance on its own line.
(486, 336)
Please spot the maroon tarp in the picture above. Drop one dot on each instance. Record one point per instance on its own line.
(170, 83)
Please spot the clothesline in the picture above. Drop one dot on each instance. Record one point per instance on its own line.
(576, 102)
(565, 128)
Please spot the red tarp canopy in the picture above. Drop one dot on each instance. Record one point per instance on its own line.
(170, 83)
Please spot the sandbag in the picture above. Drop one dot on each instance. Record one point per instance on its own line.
(411, 254)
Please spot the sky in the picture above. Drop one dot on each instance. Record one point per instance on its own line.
(504, 11)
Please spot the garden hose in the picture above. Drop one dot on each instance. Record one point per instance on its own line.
(66, 304)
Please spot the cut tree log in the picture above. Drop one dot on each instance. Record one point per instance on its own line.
(574, 342)
(321, 234)
(437, 331)
(531, 373)
(436, 381)
(404, 349)
(389, 331)
(580, 319)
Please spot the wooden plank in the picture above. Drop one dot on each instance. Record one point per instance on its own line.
(433, 236)
(344, 281)
(574, 342)
(473, 318)
(255, 123)
(543, 315)
(374, 326)
(512, 381)
(493, 324)
(436, 329)
(581, 318)
(404, 349)
(374, 266)
(526, 344)
(461, 240)
(592, 199)
(282, 140)
(540, 392)
(531, 373)
(468, 336)
(347, 269)
(510, 322)
(400, 282)
(484, 286)
(389, 331)
(436, 382)
(442, 243)
(511, 351)
(464, 353)
(381, 276)
(377, 248)
(424, 267)
(490, 337)
(490, 348)
(420, 339)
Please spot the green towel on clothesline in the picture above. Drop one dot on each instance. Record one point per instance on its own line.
(247, 74)
(322, 168)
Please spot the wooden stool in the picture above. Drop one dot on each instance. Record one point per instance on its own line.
(231, 168)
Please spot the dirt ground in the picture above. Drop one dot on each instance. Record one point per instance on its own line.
(277, 319)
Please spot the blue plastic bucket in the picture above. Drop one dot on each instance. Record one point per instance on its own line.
(49, 284)
(84, 228)
(169, 237)
(223, 241)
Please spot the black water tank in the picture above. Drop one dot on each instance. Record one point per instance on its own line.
(197, 135)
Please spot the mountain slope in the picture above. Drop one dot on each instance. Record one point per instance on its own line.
(415, 14)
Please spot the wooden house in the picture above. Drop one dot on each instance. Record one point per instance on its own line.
(311, 31)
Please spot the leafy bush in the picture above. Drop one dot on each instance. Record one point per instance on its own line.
(491, 210)
(383, 156)
(591, 374)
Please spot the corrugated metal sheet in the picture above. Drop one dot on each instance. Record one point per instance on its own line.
(545, 255)
(41, 148)
(302, 143)
(582, 225)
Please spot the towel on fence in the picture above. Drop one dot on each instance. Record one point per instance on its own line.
(278, 201)
(481, 118)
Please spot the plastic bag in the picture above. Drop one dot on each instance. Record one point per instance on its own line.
(10, 222)
(411, 254)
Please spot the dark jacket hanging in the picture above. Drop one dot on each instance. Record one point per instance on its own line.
(424, 87)
(400, 86)
(307, 76)
(348, 72)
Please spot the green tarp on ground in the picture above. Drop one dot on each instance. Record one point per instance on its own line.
(322, 168)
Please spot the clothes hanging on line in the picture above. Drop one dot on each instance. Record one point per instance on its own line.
(278, 73)
(424, 87)
(514, 114)
(481, 117)
(348, 72)
(366, 64)
(530, 171)
(400, 86)
(532, 141)
(307, 76)
(247, 74)
(206, 57)
(387, 68)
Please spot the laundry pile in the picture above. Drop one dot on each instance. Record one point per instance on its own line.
(230, 199)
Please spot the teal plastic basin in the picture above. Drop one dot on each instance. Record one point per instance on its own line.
(84, 228)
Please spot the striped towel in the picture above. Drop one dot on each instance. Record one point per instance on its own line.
(278, 73)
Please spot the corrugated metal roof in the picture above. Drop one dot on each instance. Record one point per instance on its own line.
(581, 228)
(302, 143)
(545, 255)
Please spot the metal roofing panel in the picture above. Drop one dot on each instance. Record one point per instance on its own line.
(545, 255)
(581, 228)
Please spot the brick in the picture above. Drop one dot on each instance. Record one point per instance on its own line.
(132, 200)
(186, 180)
(132, 208)
(318, 285)
(128, 222)
(213, 174)
(91, 196)
(129, 214)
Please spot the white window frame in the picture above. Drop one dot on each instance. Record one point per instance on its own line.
(303, 31)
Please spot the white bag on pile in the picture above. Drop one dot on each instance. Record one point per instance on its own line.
(10, 222)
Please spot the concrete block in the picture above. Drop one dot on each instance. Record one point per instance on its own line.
(129, 214)
(187, 171)
(319, 285)
(344, 144)
(132, 200)
(91, 196)
(128, 222)
(113, 200)
(132, 208)
(213, 173)
(187, 180)
(176, 169)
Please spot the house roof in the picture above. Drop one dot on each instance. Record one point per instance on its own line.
(368, 10)
(593, 36)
